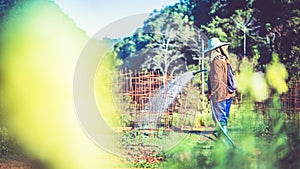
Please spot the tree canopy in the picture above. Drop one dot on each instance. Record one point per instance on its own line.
(255, 29)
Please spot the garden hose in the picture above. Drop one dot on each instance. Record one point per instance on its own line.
(226, 135)
(199, 71)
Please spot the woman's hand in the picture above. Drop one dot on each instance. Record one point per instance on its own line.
(208, 97)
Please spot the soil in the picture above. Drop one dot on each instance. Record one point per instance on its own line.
(27, 163)
(21, 164)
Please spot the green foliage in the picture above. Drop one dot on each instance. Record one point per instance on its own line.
(258, 84)
(215, 28)
(9, 148)
(237, 29)
(278, 140)
(255, 29)
(161, 22)
(252, 28)
(264, 140)
(251, 82)
(4, 142)
(277, 75)
(261, 142)
(189, 154)
(165, 41)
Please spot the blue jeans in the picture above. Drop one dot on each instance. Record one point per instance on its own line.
(222, 111)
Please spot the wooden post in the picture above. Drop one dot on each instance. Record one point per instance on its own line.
(202, 74)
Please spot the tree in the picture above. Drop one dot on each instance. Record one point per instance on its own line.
(172, 32)
(281, 31)
(245, 22)
(165, 42)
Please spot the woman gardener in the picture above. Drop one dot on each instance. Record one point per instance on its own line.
(218, 91)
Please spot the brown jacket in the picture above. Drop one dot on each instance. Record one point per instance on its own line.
(217, 80)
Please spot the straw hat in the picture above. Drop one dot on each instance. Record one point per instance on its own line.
(214, 43)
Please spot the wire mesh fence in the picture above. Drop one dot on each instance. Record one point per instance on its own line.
(289, 103)
(146, 104)
(135, 92)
